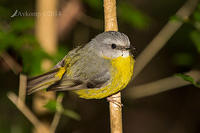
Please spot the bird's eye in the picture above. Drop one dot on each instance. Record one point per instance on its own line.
(113, 46)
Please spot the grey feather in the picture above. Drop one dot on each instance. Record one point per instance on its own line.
(42, 81)
(87, 72)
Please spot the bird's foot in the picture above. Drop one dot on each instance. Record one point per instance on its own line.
(113, 100)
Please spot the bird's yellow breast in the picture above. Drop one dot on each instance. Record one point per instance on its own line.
(121, 73)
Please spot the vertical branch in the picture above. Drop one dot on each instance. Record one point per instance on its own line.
(46, 32)
(110, 15)
(46, 25)
(111, 25)
(57, 116)
(116, 114)
(22, 87)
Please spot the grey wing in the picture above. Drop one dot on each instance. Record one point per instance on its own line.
(71, 54)
(89, 71)
(93, 69)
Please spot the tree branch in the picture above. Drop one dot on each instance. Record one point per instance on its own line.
(12, 64)
(162, 85)
(110, 16)
(22, 87)
(111, 25)
(57, 116)
(29, 115)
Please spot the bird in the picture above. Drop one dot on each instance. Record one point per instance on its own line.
(96, 70)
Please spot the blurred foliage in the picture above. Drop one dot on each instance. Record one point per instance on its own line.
(126, 13)
(195, 34)
(186, 42)
(18, 36)
(189, 79)
(132, 16)
(183, 59)
(95, 4)
(55, 106)
(4, 12)
(176, 18)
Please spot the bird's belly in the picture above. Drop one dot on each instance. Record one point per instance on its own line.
(121, 73)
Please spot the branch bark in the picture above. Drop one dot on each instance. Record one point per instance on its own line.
(46, 33)
(29, 115)
(46, 30)
(22, 87)
(111, 25)
(56, 117)
(12, 64)
(162, 85)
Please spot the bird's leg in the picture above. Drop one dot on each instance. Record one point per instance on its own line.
(114, 101)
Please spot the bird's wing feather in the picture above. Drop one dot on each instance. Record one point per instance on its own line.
(86, 72)
(42, 81)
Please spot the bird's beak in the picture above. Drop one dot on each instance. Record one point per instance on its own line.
(132, 50)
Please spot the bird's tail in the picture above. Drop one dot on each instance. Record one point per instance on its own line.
(45, 80)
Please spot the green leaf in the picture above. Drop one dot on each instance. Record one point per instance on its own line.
(51, 105)
(196, 15)
(55, 106)
(7, 39)
(176, 18)
(195, 36)
(133, 16)
(189, 79)
(71, 114)
(186, 77)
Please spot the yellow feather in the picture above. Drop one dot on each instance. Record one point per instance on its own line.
(121, 73)
(60, 73)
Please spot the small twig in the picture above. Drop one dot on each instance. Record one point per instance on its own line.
(111, 25)
(13, 65)
(25, 110)
(22, 87)
(163, 36)
(57, 116)
(162, 85)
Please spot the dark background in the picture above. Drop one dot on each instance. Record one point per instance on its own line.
(174, 111)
